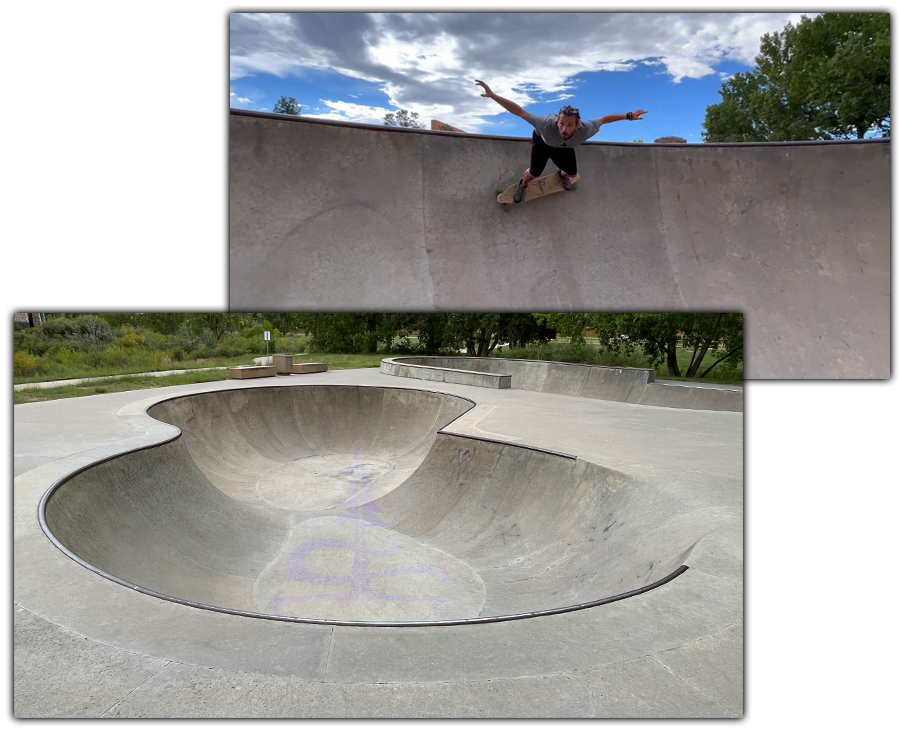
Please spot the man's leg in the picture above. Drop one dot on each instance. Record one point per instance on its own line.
(564, 159)
(539, 157)
(540, 153)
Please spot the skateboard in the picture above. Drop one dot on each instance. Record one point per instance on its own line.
(540, 187)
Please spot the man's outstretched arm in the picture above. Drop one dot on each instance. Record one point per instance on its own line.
(509, 105)
(635, 116)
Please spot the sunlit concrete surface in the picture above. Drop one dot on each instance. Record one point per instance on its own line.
(330, 216)
(423, 503)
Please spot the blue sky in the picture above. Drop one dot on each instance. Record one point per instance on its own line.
(357, 66)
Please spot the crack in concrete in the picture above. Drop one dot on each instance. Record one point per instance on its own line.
(692, 686)
(165, 665)
(328, 654)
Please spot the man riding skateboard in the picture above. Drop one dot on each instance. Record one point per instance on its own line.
(554, 138)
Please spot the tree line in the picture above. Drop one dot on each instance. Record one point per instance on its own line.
(657, 335)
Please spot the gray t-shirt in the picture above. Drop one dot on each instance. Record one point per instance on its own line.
(545, 125)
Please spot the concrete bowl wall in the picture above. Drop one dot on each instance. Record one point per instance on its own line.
(627, 384)
(461, 528)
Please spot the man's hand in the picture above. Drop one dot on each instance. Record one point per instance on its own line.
(636, 115)
(487, 89)
(509, 105)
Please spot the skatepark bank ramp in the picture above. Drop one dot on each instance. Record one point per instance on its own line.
(628, 384)
(335, 216)
(353, 504)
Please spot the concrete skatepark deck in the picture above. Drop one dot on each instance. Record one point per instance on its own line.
(794, 235)
(477, 515)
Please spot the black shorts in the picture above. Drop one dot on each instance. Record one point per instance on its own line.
(562, 157)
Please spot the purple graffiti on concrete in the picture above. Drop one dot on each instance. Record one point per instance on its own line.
(362, 516)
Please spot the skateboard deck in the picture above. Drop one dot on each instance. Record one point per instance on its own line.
(540, 187)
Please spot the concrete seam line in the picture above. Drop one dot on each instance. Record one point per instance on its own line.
(718, 576)
(128, 694)
(94, 640)
(510, 443)
(691, 685)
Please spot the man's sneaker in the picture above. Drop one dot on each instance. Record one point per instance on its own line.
(566, 181)
(519, 194)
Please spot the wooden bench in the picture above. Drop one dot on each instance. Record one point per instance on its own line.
(310, 367)
(254, 371)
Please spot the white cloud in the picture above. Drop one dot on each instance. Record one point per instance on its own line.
(427, 62)
(349, 111)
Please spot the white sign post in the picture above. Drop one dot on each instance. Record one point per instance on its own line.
(267, 336)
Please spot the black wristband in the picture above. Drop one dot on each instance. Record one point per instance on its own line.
(629, 115)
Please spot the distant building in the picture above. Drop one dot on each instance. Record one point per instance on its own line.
(29, 319)
(440, 126)
(670, 140)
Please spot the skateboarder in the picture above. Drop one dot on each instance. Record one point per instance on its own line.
(554, 138)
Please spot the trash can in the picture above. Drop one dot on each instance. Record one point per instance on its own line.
(283, 363)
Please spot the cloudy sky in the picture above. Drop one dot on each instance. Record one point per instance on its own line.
(357, 66)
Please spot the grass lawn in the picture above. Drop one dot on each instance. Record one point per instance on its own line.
(116, 384)
(188, 364)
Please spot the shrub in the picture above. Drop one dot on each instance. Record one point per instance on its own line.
(30, 342)
(207, 339)
(93, 331)
(289, 344)
(131, 340)
(26, 365)
(64, 327)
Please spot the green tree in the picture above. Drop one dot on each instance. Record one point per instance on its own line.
(331, 332)
(827, 77)
(658, 336)
(286, 105)
(403, 118)
(219, 324)
(284, 321)
(356, 332)
(477, 332)
(431, 328)
(166, 323)
(569, 325)
(482, 332)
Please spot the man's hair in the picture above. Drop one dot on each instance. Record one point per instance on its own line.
(569, 110)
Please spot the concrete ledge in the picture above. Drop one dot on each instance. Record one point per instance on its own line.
(693, 397)
(626, 384)
(241, 373)
(442, 374)
(302, 369)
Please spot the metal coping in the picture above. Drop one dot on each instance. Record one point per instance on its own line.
(48, 494)
(497, 137)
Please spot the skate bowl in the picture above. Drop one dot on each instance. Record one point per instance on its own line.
(628, 384)
(359, 505)
(336, 216)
